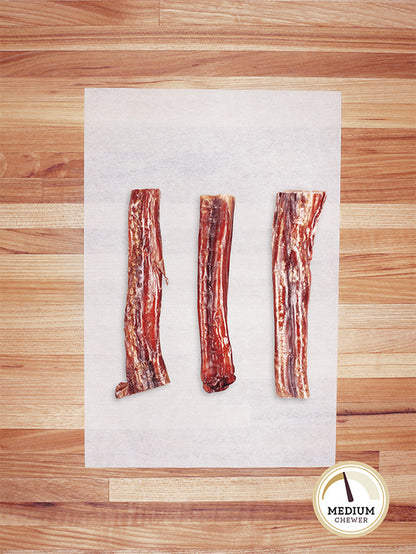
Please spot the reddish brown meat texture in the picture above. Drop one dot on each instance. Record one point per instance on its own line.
(294, 224)
(145, 367)
(214, 248)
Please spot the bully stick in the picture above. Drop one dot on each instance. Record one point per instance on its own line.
(145, 367)
(294, 222)
(214, 247)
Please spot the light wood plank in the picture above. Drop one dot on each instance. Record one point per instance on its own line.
(354, 316)
(313, 38)
(379, 365)
(63, 315)
(194, 489)
(354, 341)
(200, 536)
(380, 216)
(401, 487)
(42, 341)
(17, 13)
(376, 241)
(41, 241)
(57, 216)
(27, 415)
(398, 462)
(42, 266)
(42, 292)
(268, 12)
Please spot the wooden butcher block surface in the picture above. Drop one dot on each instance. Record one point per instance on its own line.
(52, 50)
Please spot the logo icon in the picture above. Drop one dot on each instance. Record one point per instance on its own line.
(351, 499)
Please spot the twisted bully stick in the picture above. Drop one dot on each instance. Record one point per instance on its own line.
(145, 367)
(294, 223)
(214, 247)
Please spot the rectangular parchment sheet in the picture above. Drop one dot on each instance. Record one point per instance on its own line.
(251, 144)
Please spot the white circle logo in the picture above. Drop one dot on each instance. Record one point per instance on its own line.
(351, 499)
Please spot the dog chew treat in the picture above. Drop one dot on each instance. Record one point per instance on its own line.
(294, 222)
(145, 367)
(214, 248)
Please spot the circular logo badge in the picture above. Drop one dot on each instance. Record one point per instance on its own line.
(351, 499)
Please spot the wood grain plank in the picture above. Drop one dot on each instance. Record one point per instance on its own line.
(333, 549)
(40, 415)
(363, 432)
(196, 63)
(256, 37)
(42, 441)
(376, 395)
(41, 341)
(54, 490)
(376, 241)
(269, 12)
(377, 289)
(41, 241)
(17, 191)
(401, 487)
(380, 216)
(42, 266)
(201, 536)
(29, 190)
(41, 216)
(63, 315)
(379, 365)
(378, 265)
(43, 137)
(41, 292)
(353, 341)
(377, 278)
(354, 316)
(398, 462)
(42, 165)
(18, 13)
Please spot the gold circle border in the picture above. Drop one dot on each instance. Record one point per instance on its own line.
(385, 499)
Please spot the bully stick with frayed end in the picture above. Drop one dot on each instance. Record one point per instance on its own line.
(145, 367)
(294, 224)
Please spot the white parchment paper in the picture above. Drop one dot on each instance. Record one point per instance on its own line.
(251, 144)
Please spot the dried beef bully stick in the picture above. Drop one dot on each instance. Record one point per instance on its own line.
(214, 247)
(294, 222)
(145, 367)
